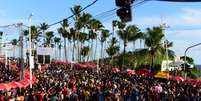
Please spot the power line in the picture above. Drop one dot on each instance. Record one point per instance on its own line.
(6, 26)
(103, 15)
(73, 14)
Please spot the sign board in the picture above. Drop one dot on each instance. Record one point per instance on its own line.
(44, 51)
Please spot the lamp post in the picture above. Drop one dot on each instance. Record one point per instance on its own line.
(31, 64)
(185, 56)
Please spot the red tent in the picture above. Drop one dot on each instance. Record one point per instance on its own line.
(4, 87)
(15, 85)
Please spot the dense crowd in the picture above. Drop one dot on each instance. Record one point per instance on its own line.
(61, 83)
(7, 74)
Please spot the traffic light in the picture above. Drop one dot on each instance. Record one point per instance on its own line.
(124, 12)
(122, 3)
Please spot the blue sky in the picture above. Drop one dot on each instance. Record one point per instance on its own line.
(183, 19)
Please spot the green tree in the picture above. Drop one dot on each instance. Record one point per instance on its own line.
(156, 51)
(72, 37)
(14, 44)
(63, 31)
(43, 27)
(104, 35)
(49, 36)
(113, 48)
(82, 39)
(76, 10)
(57, 41)
(84, 52)
(94, 26)
(1, 34)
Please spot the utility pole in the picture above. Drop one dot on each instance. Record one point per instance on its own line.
(21, 60)
(31, 61)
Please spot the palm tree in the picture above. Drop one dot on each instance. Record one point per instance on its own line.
(85, 20)
(63, 31)
(34, 33)
(92, 36)
(104, 35)
(82, 39)
(56, 41)
(1, 34)
(49, 35)
(84, 52)
(133, 34)
(26, 33)
(76, 10)
(153, 40)
(113, 48)
(14, 43)
(155, 51)
(60, 47)
(44, 26)
(94, 26)
(72, 36)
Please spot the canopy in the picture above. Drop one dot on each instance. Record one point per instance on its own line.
(162, 75)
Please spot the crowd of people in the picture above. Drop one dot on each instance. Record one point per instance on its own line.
(7, 74)
(62, 83)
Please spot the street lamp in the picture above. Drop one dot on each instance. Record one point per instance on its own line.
(185, 56)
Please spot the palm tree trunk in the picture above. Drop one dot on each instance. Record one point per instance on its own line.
(14, 48)
(124, 54)
(101, 50)
(65, 49)
(133, 46)
(55, 51)
(92, 44)
(80, 51)
(96, 48)
(73, 50)
(152, 62)
(89, 52)
(60, 54)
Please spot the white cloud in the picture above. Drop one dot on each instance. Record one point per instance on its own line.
(186, 17)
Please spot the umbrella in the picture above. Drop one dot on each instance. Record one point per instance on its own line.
(115, 70)
(130, 72)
